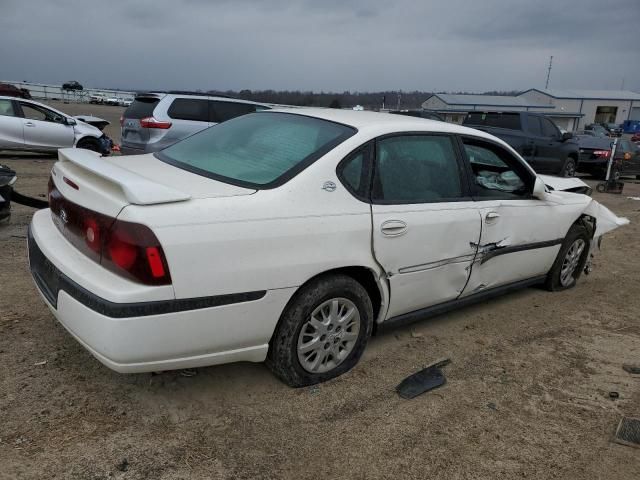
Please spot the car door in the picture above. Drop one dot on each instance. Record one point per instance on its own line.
(550, 153)
(425, 225)
(521, 235)
(535, 140)
(44, 128)
(11, 128)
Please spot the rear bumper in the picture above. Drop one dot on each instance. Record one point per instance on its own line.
(156, 335)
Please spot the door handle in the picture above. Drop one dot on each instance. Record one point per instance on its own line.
(393, 228)
(29, 124)
(492, 217)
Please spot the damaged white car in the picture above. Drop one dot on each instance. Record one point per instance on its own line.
(290, 236)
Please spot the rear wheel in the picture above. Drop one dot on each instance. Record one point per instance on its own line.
(570, 261)
(89, 144)
(322, 332)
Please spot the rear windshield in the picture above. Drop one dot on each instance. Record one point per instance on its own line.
(141, 107)
(258, 150)
(510, 121)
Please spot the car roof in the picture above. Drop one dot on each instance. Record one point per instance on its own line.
(28, 100)
(365, 119)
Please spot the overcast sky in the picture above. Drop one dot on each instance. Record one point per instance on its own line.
(329, 45)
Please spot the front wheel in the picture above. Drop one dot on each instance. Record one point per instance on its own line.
(89, 144)
(570, 261)
(322, 332)
(569, 169)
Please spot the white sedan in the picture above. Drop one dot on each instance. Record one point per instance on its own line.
(291, 235)
(32, 126)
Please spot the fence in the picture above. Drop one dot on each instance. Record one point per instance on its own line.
(43, 91)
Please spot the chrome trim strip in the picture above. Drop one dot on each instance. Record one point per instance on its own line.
(439, 263)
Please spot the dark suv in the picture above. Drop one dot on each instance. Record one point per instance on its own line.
(533, 136)
(156, 120)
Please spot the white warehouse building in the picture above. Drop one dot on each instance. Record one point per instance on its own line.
(569, 109)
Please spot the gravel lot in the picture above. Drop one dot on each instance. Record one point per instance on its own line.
(527, 393)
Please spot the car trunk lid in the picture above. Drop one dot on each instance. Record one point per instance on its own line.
(108, 184)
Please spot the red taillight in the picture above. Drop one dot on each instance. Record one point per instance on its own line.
(131, 249)
(126, 248)
(602, 153)
(150, 122)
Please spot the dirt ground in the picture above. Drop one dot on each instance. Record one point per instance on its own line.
(527, 393)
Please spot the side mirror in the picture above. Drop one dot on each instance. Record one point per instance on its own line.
(70, 121)
(539, 189)
(567, 136)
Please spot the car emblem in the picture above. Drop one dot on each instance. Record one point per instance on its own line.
(63, 216)
(329, 187)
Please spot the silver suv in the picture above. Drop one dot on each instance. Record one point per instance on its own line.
(156, 120)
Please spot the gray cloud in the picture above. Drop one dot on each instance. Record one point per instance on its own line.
(329, 45)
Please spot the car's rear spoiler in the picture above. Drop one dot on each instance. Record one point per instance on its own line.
(136, 188)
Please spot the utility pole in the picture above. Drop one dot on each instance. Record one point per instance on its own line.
(399, 96)
(548, 72)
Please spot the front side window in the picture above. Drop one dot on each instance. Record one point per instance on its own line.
(548, 128)
(34, 112)
(6, 108)
(259, 150)
(497, 174)
(416, 169)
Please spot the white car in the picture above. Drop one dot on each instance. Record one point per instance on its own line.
(32, 126)
(97, 98)
(292, 235)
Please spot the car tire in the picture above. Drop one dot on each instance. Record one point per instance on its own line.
(322, 332)
(570, 261)
(88, 144)
(569, 168)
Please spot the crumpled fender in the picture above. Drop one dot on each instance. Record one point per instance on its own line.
(606, 220)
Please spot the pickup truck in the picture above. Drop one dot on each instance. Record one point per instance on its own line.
(534, 137)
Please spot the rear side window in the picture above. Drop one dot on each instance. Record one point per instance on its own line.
(141, 107)
(509, 121)
(6, 108)
(194, 109)
(416, 169)
(223, 111)
(353, 171)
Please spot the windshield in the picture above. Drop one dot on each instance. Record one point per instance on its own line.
(258, 150)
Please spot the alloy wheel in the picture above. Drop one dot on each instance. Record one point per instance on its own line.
(328, 337)
(571, 262)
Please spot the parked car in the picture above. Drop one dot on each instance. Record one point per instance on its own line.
(156, 120)
(125, 102)
(71, 85)
(32, 126)
(595, 154)
(115, 101)
(265, 237)
(97, 98)
(533, 136)
(599, 129)
(590, 133)
(614, 129)
(429, 115)
(8, 90)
